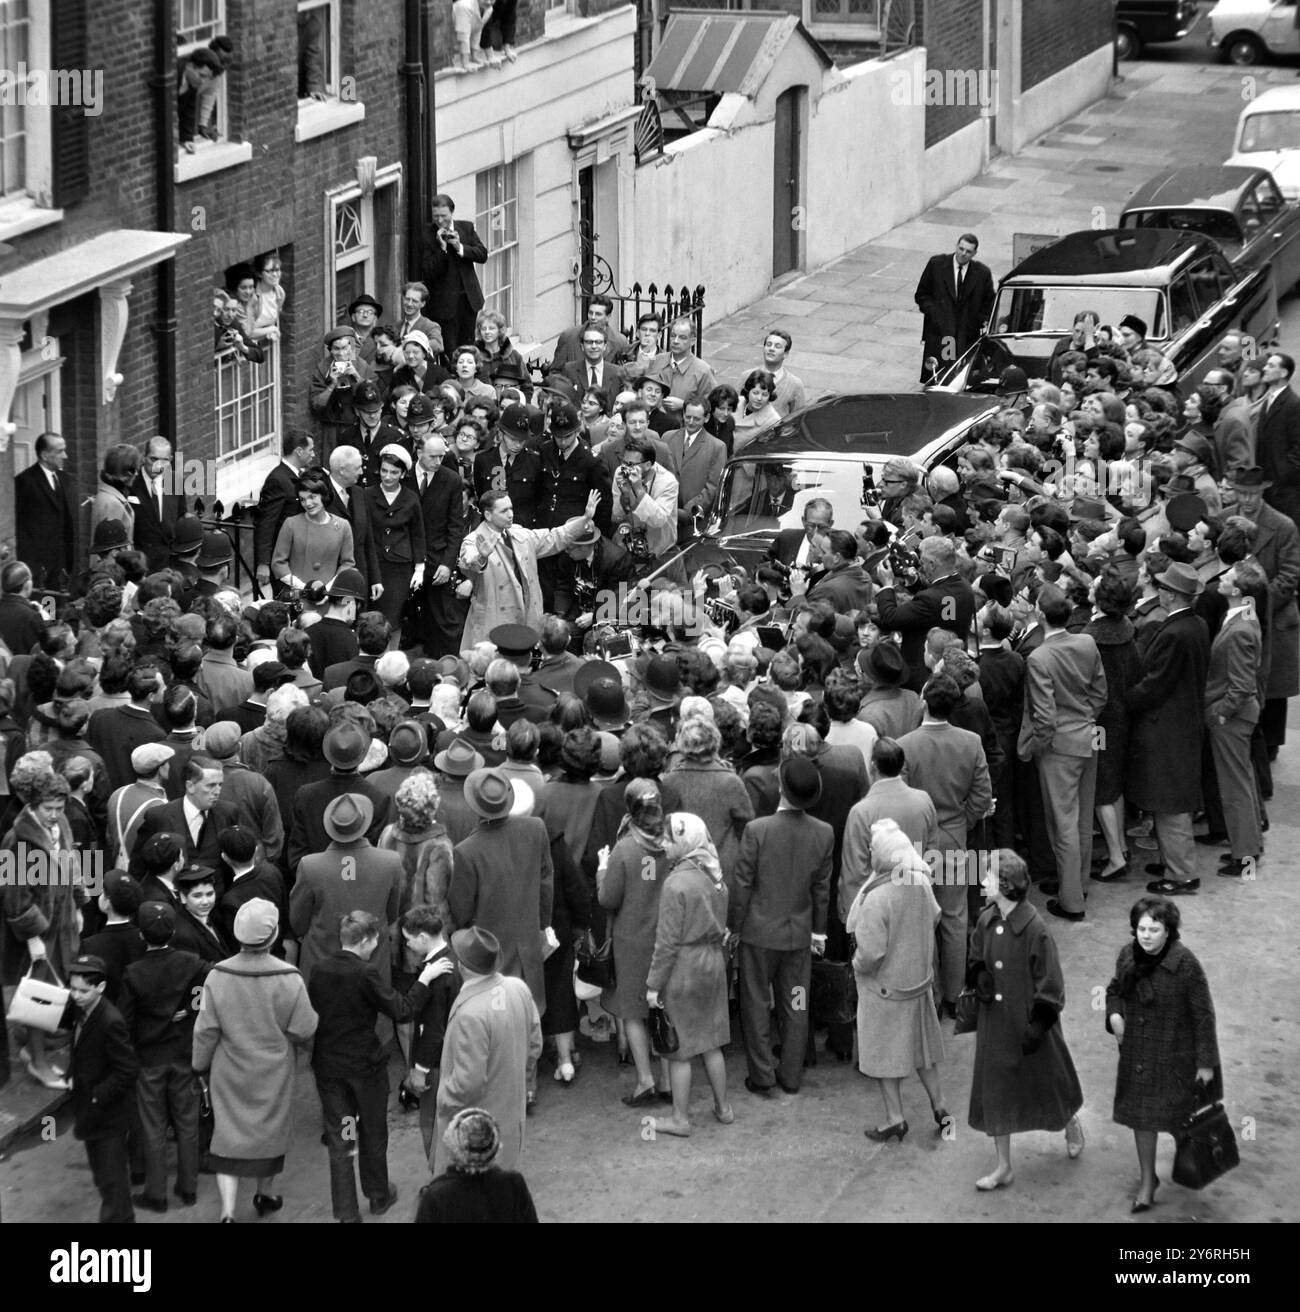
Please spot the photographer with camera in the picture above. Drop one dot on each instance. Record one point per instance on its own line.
(645, 502)
(227, 332)
(333, 386)
(451, 250)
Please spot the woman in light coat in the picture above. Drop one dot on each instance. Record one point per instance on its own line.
(506, 589)
(112, 499)
(253, 1015)
(688, 972)
(893, 919)
(314, 544)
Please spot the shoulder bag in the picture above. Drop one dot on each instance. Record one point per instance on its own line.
(38, 1005)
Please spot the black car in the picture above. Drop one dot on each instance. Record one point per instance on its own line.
(1140, 23)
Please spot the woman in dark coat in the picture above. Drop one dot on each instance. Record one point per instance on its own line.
(688, 972)
(570, 919)
(1024, 1078)
(629, 881)
(398, 524)
(303, 761)
(568, 802)
(710, 788)
(1158, 1007)
(1114, 635)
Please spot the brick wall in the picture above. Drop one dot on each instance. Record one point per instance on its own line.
(1056, 33)
(952, 32)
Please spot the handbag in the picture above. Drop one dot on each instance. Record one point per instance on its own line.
(967, 1009)
(595, 961)
(834, 993)
(37, 1005)
(1206, 1148)
(663, 1033)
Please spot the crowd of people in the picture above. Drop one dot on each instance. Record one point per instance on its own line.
(423, 779)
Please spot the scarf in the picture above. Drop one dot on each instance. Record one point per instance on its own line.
(1135, 976)
(689, 843)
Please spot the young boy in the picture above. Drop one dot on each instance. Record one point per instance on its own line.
(422, 934)
(467, 21)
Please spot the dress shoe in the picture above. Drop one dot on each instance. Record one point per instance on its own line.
(1213, 839)
(1156, 868)
(378, 1206)
(1074, 1139)
(1054, 908)
(187, 1200)
(148, 1204)
(407, 1100)
(1110, 876)
(263, 1203)
(642, 1099)
(758, 1090)
(1173, 887)
(943, 1118)
(1049, 887)
(889, 1132)
(1232, 868)
(787, 1088)
(1140, 1205)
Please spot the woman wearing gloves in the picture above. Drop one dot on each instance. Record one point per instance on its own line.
(399, 533)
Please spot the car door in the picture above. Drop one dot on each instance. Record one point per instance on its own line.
(1279, 30)
(1228, 300)
(1279, 234)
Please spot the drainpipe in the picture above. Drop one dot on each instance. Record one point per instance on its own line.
(419, 130)
(163, 83)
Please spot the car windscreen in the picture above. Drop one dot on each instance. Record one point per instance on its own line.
(1045, 309)
(1276, 130)
(771, 493)
(1220, 224)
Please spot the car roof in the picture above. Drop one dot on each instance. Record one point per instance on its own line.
(1275, 99)
(1203, 186)
(854, 424)
(1129, 257)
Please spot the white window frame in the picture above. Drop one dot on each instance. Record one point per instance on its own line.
(488, 223)
(200, 35)
(389, 176)
(843, 26)
(239, 387)
(31, 206)
(342, 107)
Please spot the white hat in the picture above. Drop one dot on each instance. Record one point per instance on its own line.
(398, 454)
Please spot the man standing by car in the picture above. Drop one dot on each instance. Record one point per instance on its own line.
(955, 294)
(1278, 435)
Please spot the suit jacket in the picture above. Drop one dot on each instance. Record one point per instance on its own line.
(21, 625)
(443, 505)
(349, 995)
(846, 587)
(170, 819)
(279, 500)
(153, 534)
(1231, 690)
(613, 378)
(566, 484)
(947, 604)
(521, 479)
(103, 1072)
(338, 878)
(949, 764)
(1065, 690)
(1277, 549)
(45, 524)
(449, 276)
(209, 944)
(568, 346)
(699, 470)
(336, 676)
(398, 528)
(952, 322)
(781, 881)
(356, 510)
(387, 433)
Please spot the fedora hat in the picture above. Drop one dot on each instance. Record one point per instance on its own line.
(1250, 480)
(348, 817)
(1196, 444)
(1181, 578)
(365, 299)
(587, 538)
(346, 745)
(488, 794)
(458, 758)
(885, 664)
(801, 782)
(408, 743)
(476, 949)
(1086, 508)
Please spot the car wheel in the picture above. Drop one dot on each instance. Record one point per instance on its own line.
(1244, 49)
(1128, 45)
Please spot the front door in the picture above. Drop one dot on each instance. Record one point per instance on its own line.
(787, 186)
(35, 410)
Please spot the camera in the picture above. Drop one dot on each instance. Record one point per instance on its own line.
(633, 540)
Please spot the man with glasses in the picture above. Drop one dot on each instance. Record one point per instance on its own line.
(645, 499)
(801, 548)
(1234, 429)
(568, 346)
(898, 480)
(595, 371)
(363, 315)
(636, 420)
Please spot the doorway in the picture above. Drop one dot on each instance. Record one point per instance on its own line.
(787, 183)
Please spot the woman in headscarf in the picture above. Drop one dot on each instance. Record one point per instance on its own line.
(629, 880)
(688, 972)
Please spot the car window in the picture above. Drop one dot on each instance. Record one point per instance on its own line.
(1276, 130)
(1052, 309)
(772, 493)
(1219, 224)
(1268, 200)
(1184, 304)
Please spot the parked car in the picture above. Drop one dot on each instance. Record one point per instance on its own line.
(834, 448)
(1268, 137)
(1250, 31)
(1180, 284)
(1141, 23)
(1240, 208)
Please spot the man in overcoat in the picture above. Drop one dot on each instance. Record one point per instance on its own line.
(1167, 707)
(955, 294)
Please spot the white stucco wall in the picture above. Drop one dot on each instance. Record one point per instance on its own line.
(1055, 99)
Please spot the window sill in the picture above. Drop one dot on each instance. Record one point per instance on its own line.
(25, 215)
(318, 117)
(211, 157)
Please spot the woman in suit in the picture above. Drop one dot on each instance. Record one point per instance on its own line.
(314, 544)
(399, 534)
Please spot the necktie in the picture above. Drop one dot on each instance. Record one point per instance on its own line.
(961, 277)
(514, 564)
(196, 828)
(158, 500)
(424, 481)
(595, 382)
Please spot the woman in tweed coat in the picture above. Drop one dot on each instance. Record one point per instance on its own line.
(1158, 1007)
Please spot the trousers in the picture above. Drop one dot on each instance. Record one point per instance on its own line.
(1069, 788)
(1230, 744)
(1174, 834)
(355, 1109)
(786, 976)
(111, 1172)
(950, 893)
(168, 1095)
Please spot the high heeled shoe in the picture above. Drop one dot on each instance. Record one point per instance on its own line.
(877, 1135)
(264, 1203)
(1074, 1140)
(1140, 1206)
(942, 1119)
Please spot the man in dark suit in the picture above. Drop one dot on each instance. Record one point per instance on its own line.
(782, 885)
(514, 464)
(595, 370)
(946, 602)
(372, 432)
(279, 498)
(798, 548)
(600, 312)
(955, 294)
(845, 583)
(1278, 443)
(700, 459)
(373, 633)
(103, 1073)
(1065, 689)
(347, 499)
(158, 507)
(451, 250)
(196, 819)
(570, 474)
(22, 625)
(442, 499)
(45, 518)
